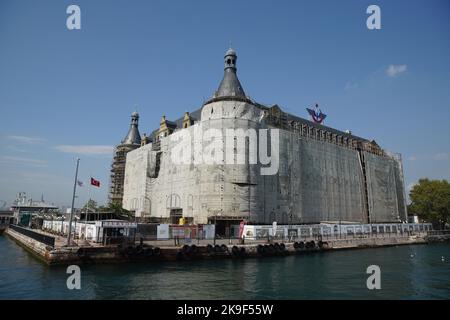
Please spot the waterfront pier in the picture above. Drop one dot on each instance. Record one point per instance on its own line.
(52, 249)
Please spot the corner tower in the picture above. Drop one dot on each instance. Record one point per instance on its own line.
(230, 191)
(131, 142)
(133, 137)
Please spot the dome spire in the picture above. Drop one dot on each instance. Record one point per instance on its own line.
(133, 136)
(230, 85)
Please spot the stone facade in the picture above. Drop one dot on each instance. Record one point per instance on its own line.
(322, 174)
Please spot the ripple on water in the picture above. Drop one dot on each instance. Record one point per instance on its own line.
(407, 272)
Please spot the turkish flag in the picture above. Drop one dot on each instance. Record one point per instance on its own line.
(95, 183)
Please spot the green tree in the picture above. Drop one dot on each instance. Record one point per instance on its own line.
(117, 209)
(91, 205)
(430, 200)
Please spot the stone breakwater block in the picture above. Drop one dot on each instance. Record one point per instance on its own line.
(63, 255)
(37, 248)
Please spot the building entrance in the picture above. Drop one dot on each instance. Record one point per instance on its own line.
(175, 215)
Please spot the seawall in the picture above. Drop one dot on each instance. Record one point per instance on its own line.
(115, 254)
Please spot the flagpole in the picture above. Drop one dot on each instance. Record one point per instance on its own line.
(73, 203)
(87, 211)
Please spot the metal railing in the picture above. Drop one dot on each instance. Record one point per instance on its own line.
(200, 240)
(48, 240)
(438, 232)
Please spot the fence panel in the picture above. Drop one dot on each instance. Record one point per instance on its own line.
(50, 241)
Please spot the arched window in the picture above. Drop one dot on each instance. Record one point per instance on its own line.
(190, 201)
(173, 201)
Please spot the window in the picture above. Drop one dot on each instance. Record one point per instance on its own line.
(190, 201)
(304, 232)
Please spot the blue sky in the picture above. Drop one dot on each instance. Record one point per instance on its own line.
(66, 93)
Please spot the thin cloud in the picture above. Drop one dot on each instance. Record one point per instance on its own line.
(28, 161)
(16, 149)
(441, 156)
(412, 158)
(350, 85)
(395, 70)
(27, 140)
(85, 149)
(33, 177)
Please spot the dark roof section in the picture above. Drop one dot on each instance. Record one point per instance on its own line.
(195, 116)
(323, 127)
(178, 124)
(171, 124)
(230, 85)
(291, 117)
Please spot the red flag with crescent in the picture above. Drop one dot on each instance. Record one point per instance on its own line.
(95, 183)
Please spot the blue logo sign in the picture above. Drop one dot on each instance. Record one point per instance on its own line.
(316, 114)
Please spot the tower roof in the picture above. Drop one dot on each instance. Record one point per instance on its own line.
(230, 85)
(230, 52)
(133, 136)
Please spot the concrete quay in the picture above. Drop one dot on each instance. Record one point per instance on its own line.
(166, 250)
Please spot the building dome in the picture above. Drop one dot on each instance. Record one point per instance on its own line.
(230, 52)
